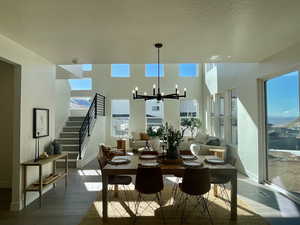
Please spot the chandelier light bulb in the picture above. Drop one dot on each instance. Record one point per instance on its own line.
(145, 93)
(154, 86)
(176, 86)
(162, 94)
(136, 88)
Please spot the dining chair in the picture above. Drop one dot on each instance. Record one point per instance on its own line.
(195, 184)
(219, 181)
(179, 176)
(149, 181)
(114, 180)
(148, 152)
(108, 153)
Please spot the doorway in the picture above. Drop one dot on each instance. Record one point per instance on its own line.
(283, 132)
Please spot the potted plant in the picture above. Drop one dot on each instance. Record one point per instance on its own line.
(193, 124)
(174, 138)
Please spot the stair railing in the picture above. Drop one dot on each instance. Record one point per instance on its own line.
(97, 108)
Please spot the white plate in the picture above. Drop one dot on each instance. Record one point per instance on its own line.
(121, 157)
(150, 164)
(189, 163)
(119, 161)
(148, 156)
(188, 157)
(215, 161)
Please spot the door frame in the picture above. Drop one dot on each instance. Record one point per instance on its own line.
(262, 134)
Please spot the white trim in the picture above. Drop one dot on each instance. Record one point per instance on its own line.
(16, 206)
(251, 175)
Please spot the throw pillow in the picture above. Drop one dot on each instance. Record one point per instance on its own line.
(201, 138)
(213, 141)
(144, 136)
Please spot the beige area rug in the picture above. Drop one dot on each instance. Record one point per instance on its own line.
(121, 211)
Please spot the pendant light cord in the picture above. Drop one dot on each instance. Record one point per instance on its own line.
(158, 77)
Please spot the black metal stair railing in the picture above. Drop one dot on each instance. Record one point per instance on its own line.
(97, 108)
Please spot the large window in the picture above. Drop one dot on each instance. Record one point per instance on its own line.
(154, 114)
(120, 117)
(81, 84)
(151, 70)
(87, 67)
(120, 70)
(233, 115)
(188, 70)
(188, 114)
(80, 102)
(283, 131)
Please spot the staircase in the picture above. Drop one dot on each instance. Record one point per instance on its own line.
(69, 141)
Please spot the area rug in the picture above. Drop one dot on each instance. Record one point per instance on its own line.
(121, 210)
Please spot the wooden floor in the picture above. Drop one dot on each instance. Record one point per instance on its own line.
(68, 208)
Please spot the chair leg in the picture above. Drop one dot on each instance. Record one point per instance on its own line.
(183, 210)
(137, 207)
(207, 210)
(116, 191)
(159, 199)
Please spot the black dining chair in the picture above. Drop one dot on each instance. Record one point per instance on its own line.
(149, 181)
(179, 176)
(114, 180)
(195, 184)
(220, 181)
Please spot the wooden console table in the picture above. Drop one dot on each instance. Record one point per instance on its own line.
(43, 183)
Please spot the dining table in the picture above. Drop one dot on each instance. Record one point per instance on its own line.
(130, 168)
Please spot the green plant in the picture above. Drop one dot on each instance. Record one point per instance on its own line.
(193, 124)
(155, 132)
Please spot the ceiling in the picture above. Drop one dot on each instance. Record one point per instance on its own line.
(123, 31)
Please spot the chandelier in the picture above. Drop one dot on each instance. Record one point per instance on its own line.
(157, 94)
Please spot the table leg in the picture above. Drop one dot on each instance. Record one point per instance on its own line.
(41, 184)
(104, 196)
(215, 190)
(54, 171)
(234, 196)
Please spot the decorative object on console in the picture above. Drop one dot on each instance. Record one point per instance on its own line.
(174, 138)
(158, 95)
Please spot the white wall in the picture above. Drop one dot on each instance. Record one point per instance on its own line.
(62, 104)
(35, 81)
(246, 79)
(7, 92)
(121, 88)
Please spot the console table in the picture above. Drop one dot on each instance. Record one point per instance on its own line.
(44, 182)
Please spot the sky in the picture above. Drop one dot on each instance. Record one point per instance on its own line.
(283, 96)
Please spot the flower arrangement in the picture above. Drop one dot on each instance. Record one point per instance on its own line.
(174, 138)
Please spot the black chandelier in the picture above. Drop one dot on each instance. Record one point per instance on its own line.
(159, 96)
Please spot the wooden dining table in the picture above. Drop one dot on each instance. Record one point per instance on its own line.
(170, 169)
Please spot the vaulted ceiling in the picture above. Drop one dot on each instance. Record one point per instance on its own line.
(123, 31)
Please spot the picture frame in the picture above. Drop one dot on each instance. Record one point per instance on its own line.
(40, 122)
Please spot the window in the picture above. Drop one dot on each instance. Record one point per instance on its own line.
(154, 114)
(120, 118)
(81, 84)
(188, 70)
(188, 110)
(221, 114)
(233, 115)
(120, 70)
(87, 67)
(282, 95)
(80, 102)
(152, 70)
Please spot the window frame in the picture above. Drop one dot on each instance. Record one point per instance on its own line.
(162, 117)
(155, 75)
(129, 71)
(189, 116)
(197, 70)
(112, 118)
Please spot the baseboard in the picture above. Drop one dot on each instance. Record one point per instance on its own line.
(19, 205)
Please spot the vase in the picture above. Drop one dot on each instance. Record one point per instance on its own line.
(172, 152)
